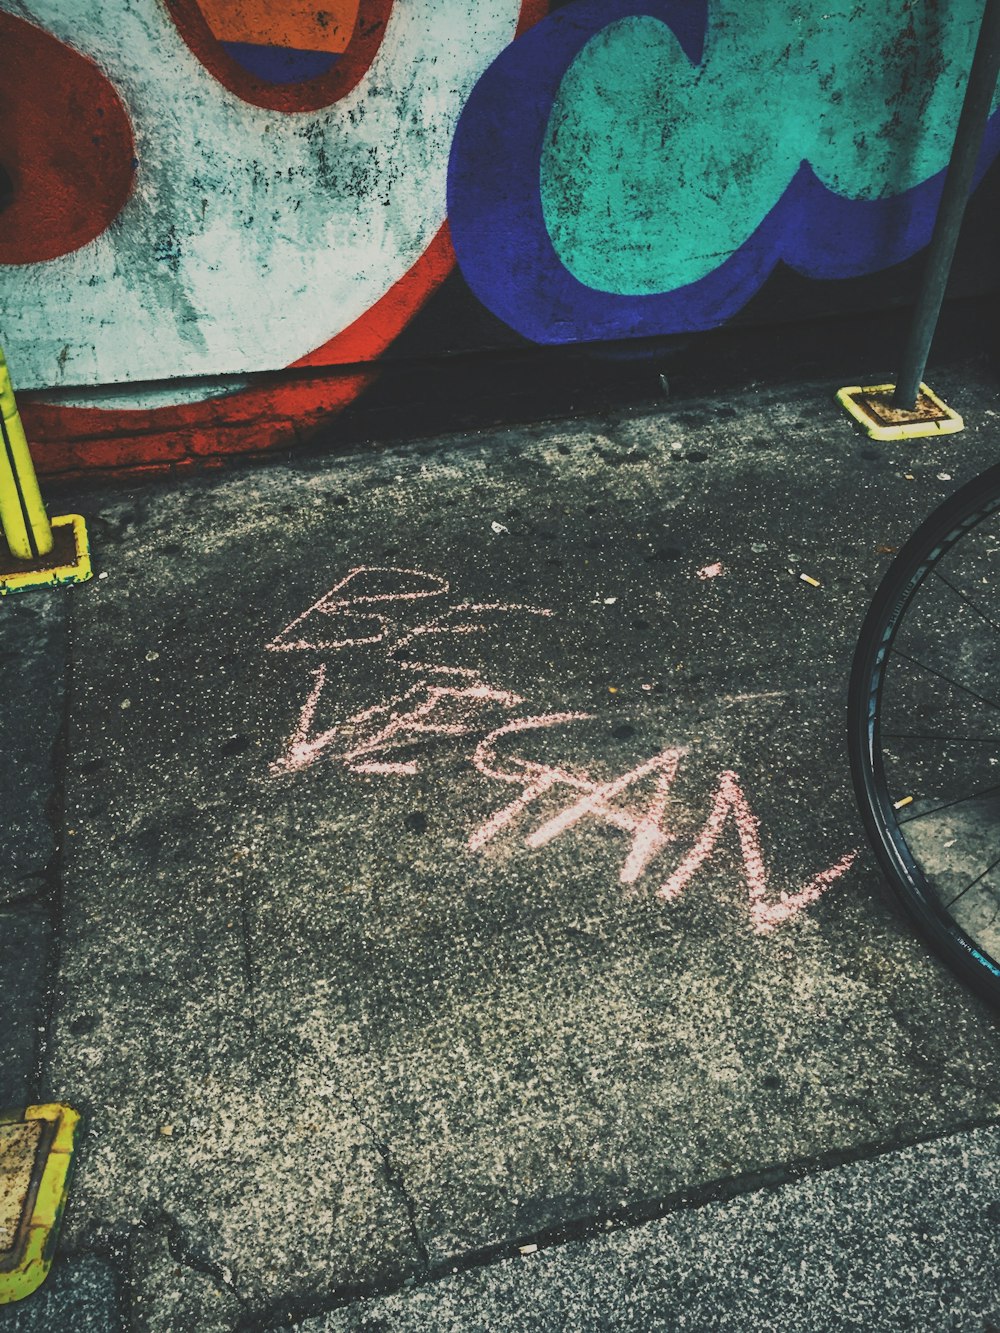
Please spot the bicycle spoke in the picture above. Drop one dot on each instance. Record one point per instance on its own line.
(971, 884)
(965, 598)
(992, 703)
(986, 791)
(936, 736)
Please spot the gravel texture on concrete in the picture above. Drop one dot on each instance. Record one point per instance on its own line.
(25, 936)
(354, 989)
(906, 1241)
(32, 686)
(80, 1295)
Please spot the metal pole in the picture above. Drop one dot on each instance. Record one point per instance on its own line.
(957, 183)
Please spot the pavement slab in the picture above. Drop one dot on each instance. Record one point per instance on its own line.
(459, 846)
(908, 1240)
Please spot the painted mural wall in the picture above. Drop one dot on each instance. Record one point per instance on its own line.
(214, 205)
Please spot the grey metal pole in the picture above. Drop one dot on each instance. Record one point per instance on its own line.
(957, 183)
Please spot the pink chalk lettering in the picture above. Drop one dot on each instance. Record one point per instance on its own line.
(301, 751)
(423, 711)
(534, 779)
(764, 916)
(649, 836)
(459, 620)
(334, 621)
(445, 711)
(369, 741)
(321, 626)
(483, 608)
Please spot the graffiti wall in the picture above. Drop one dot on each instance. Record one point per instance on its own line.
(222, 214)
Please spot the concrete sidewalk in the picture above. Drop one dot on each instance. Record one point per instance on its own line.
(454, 852)
(906, 1241)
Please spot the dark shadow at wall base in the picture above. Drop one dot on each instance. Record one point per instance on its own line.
(413, 399)
(416, 398)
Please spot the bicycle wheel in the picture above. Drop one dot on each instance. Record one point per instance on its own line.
(924, 729)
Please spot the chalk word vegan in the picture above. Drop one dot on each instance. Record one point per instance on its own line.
(449, 702)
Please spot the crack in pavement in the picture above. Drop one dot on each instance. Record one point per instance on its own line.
(396, 1180)
(182, 1252)
(289, 1314)
(158, 1236)
(53, 871)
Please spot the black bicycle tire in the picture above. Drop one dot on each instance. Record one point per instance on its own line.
(936, 535)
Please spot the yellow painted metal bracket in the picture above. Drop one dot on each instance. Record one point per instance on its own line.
(872, 406)
(36, 1153)
(38, 553)
(67, 562)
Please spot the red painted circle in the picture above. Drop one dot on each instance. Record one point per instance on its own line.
(65, 142)
(309, 95)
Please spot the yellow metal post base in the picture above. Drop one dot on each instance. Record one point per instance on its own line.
(36, 1151)
(872, 406)
(67, 562)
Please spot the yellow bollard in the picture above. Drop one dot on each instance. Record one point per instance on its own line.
(22, 513)
(38, 553)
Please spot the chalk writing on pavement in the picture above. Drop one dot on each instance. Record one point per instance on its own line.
(397, 612)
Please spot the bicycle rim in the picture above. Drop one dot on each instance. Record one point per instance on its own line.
(924, 729)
